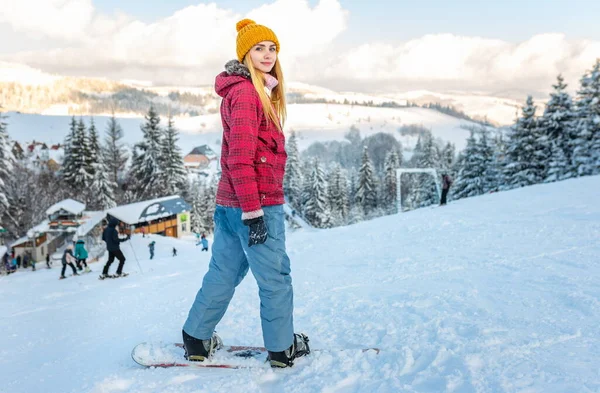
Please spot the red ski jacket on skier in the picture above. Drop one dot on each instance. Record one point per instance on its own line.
(253, 153)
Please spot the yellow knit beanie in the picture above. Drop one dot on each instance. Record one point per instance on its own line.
(250, 34)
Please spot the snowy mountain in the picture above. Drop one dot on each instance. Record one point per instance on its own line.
(497, 293)
(311, 122)
(28, 90)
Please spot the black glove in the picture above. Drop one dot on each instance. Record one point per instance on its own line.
(257, 232)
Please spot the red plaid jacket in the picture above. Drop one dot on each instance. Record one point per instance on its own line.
(253, 153)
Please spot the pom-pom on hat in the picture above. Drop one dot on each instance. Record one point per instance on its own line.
(250, 34)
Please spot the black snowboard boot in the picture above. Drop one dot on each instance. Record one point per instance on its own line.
(286, 358)
(197, 350)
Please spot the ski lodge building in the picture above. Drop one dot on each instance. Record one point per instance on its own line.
(167, 216)
(66, 220)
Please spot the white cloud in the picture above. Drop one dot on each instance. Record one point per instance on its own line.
(190, 47)
(472, 62)
(66, 19)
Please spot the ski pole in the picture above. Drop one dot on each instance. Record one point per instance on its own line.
(135, 256)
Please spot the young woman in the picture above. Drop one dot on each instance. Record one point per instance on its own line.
(249, 217)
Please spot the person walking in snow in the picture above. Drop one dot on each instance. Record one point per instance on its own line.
(446, 183)
(204, 242)
(67, 259)
(48, 260)
(174, 252)
(151, 247)
(81, 255)
(113, 246)
(249, 216)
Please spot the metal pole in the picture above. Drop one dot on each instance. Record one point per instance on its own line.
(133, 249)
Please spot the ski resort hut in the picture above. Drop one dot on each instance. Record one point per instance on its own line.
(167, 216)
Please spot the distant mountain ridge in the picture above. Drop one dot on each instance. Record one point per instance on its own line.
(25, 89)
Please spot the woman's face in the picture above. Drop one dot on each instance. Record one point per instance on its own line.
(263, 56)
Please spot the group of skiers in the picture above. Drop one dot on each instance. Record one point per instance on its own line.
(72, 256)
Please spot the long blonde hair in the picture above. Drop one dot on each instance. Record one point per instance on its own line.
(274, 107)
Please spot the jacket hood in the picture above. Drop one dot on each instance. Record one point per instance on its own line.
(80, 241)
(113, 222)
(235, 72)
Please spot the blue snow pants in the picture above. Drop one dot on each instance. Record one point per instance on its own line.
(231, 258)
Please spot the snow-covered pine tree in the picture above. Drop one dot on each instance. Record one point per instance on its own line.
(292, 181)
(497, 171)
(425, 191)
(366, 192)
(447, 157)
(557, 167)
(469, 181)
(115, 154)
(338, 195)
(522, 166)
(390, 183)
(146, 167)
(102, 195)
(558, 125)
(586, 145)
(6, 162)
(94, 149)
(173, 174)
(486, 149)
(316, 209)
(77, 176)
(67, 162)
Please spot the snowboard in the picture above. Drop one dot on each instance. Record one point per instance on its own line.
(167, 355)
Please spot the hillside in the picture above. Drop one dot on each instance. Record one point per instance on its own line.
(311, 122)
(498, 293)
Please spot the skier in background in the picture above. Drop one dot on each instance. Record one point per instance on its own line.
(67, 259)
(446, 183)
(249, 216)
(151, 247)
(113, 246)
(204, 242)
(81, 254)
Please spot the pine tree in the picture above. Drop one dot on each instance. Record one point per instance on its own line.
(292, 181)
(5, 167)
(94, 152)
(428, 156)
(68, 167)
(390, 183)
(115, 154)
(338, 195)
(557, 167)
(146, 168)
(558, 125)
(447, 157)
(470, 179)
(199, 207)
(486, 150)
(586, 145)
(498, 160)
(102, 196)
(174, 175)
(366, 193)
(316, 209)
(522, 165)
(78, 175)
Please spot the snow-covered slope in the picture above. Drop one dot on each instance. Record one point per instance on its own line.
(499, 293)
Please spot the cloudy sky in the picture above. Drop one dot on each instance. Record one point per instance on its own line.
(369, 46)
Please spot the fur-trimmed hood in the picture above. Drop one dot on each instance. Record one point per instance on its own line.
(235, 72)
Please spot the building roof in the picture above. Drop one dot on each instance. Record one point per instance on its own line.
(153, 209)
(204, 150)
(89, 222)
(19, 241)
(42, 227)
(69, 205)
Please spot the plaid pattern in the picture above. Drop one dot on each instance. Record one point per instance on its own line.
(253, 150)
